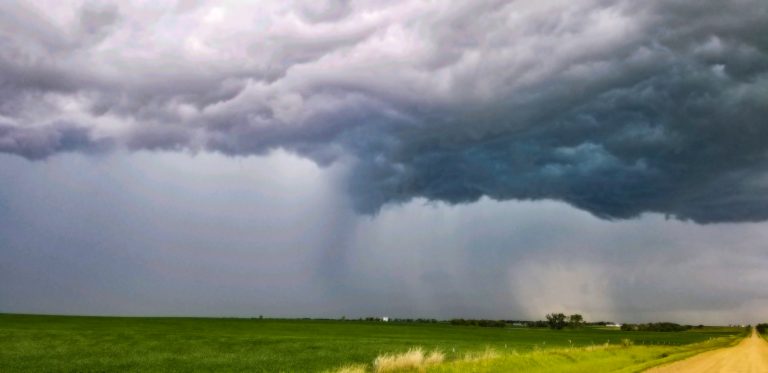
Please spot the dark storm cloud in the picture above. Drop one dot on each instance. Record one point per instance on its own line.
(615, 107)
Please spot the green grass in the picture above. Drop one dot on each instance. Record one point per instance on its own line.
(96, 344)
(585, 360)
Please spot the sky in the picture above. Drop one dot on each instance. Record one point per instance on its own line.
(477, 159)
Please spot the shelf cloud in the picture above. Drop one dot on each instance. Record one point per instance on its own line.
(615, 107)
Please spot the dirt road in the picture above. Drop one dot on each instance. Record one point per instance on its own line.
(750, 355)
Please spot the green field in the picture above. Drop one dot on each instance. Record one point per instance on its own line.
(90, 344)
(621, 359)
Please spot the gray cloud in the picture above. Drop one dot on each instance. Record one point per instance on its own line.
(165, 233)
(614, 107)
(39, 143)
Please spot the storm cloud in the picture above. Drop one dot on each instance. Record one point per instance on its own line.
(615, 107)
(167, 233)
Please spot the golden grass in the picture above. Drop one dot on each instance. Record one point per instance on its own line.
(413, 359)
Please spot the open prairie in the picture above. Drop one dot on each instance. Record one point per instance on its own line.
(68, 343)
(322, 162)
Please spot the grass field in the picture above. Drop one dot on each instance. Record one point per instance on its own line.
(584, 359)
(64, 343)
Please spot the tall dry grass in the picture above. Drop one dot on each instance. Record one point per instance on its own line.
(414, 358)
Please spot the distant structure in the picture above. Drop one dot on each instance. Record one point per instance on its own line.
(615, 325)
(385, 319)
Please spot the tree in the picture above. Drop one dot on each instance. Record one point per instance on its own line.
(575, 321)
(655, 327)
(556, 320)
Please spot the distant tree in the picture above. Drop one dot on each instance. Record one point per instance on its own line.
(762, 328)
(556, 320)
(598, 323)
(537, 324)
(656, 327)
(628, 327)
(483, 323)
(575, 321)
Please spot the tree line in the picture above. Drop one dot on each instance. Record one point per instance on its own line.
(559, 321)
(656, 327)
(483, 323)
(555, 321)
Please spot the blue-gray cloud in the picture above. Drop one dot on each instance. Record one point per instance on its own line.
(616, 107)
(174, 234)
